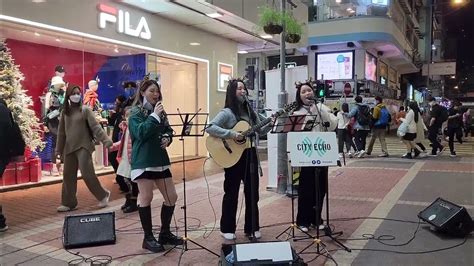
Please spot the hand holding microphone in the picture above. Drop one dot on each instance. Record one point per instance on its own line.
(160, 111)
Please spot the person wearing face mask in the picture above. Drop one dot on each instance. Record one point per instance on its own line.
(151, 134)
(236, 108)
(434, 125)
(77, 129)
(325, 121)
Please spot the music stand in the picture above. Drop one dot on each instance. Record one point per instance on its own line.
(293, 123)
(185, 129)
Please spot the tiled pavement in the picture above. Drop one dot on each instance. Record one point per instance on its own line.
(376, 187)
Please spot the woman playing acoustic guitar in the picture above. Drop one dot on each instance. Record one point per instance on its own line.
(237, 108)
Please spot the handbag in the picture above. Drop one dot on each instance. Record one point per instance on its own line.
(402, 129)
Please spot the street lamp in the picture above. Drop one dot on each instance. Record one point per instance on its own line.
(457, 2)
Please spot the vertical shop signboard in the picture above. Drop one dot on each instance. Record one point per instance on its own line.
(225, 72)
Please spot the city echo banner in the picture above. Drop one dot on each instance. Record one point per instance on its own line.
(312, 148)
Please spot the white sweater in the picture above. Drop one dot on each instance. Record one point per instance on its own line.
(410, 121)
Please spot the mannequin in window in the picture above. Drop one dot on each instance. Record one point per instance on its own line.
(91, 97)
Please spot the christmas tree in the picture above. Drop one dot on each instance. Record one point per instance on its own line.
(17, 100)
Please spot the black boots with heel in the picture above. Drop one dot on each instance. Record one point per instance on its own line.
(149, 242)
(166, 237)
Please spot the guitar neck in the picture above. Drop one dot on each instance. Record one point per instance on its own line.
(258, 125)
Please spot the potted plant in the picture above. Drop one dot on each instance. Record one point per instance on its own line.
(294, 30)
(270, 20)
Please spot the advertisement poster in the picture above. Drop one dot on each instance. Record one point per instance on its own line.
(225, 72)
(335, 65)
(370, 67)
(383, 73)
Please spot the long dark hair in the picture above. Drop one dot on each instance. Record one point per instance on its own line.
(233, 103)
(145, 84)
(414, 106)
(298, 100)
(67, 106)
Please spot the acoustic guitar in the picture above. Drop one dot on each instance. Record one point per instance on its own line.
(227, 152)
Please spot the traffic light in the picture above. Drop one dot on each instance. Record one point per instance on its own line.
(321, 90)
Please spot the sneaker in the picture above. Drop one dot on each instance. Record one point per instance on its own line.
(228, 236)
(63, 208)
(322, 227)
(383, 155)
(303, 228)
(3, 225)
(4, 228)
(341, 155)
(453, 154)
(257, 234)
(350, 155)
(361, 154)
(441, 150)
(105, 201)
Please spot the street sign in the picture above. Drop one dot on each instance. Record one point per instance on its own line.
(445, 68)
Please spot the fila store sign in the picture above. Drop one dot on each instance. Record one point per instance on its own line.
(121, 19)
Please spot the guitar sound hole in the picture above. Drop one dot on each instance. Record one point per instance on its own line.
(240, 142)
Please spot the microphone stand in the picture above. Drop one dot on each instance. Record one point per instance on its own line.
(327, 229)
(251, 165)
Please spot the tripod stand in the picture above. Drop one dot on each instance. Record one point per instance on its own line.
(295, 123)
(186, 131)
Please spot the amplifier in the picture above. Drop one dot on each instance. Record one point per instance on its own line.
(89, 230)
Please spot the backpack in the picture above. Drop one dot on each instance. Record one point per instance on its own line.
(444, 114)
(363, 115)
(384, 117)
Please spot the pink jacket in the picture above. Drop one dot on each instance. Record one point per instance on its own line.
(118, 146)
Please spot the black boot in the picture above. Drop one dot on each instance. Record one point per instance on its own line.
(131, 207)
(149, 242)
(127, 201)
(417, 153)
(166, 237)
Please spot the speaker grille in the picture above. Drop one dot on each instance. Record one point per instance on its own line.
(89, 230)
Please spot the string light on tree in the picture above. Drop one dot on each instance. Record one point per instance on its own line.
(17, 100)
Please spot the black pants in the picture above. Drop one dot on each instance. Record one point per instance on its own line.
(454, 131)
(433, 137)
(343, 137)
(233, 176)
(360, 138)
(3, 165)
(311, 179)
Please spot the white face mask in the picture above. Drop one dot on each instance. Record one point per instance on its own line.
(75, 98)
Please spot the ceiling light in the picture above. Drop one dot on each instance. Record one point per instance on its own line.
(58, 40)
(456, 87)
(37, 34)
(38, 1)
(266, 36)
(352, 11)
(116, 50)
(214, 15)
(194, 43)
(338, 1)
(349, 9)
(242, 52)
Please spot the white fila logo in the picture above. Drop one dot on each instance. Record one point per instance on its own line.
(122, 19)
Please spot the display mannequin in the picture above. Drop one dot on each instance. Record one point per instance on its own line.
(91, 97)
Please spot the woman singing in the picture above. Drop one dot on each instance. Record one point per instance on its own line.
(151, 134)
(237, 108)
(312, 178)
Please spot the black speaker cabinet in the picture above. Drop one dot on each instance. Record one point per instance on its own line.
(447, 217)
(89, 230)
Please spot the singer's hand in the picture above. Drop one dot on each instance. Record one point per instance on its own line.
(165, 142)
(159, 109)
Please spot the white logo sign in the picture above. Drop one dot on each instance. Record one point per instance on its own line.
(312, 148)
(122, 20)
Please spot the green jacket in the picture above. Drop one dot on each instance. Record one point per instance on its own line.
(146, 134)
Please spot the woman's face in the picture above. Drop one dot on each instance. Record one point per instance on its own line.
(240, 90)
(152, 94)
(76, 91)
(306, 95)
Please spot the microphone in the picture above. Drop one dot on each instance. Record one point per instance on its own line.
(313, 99)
